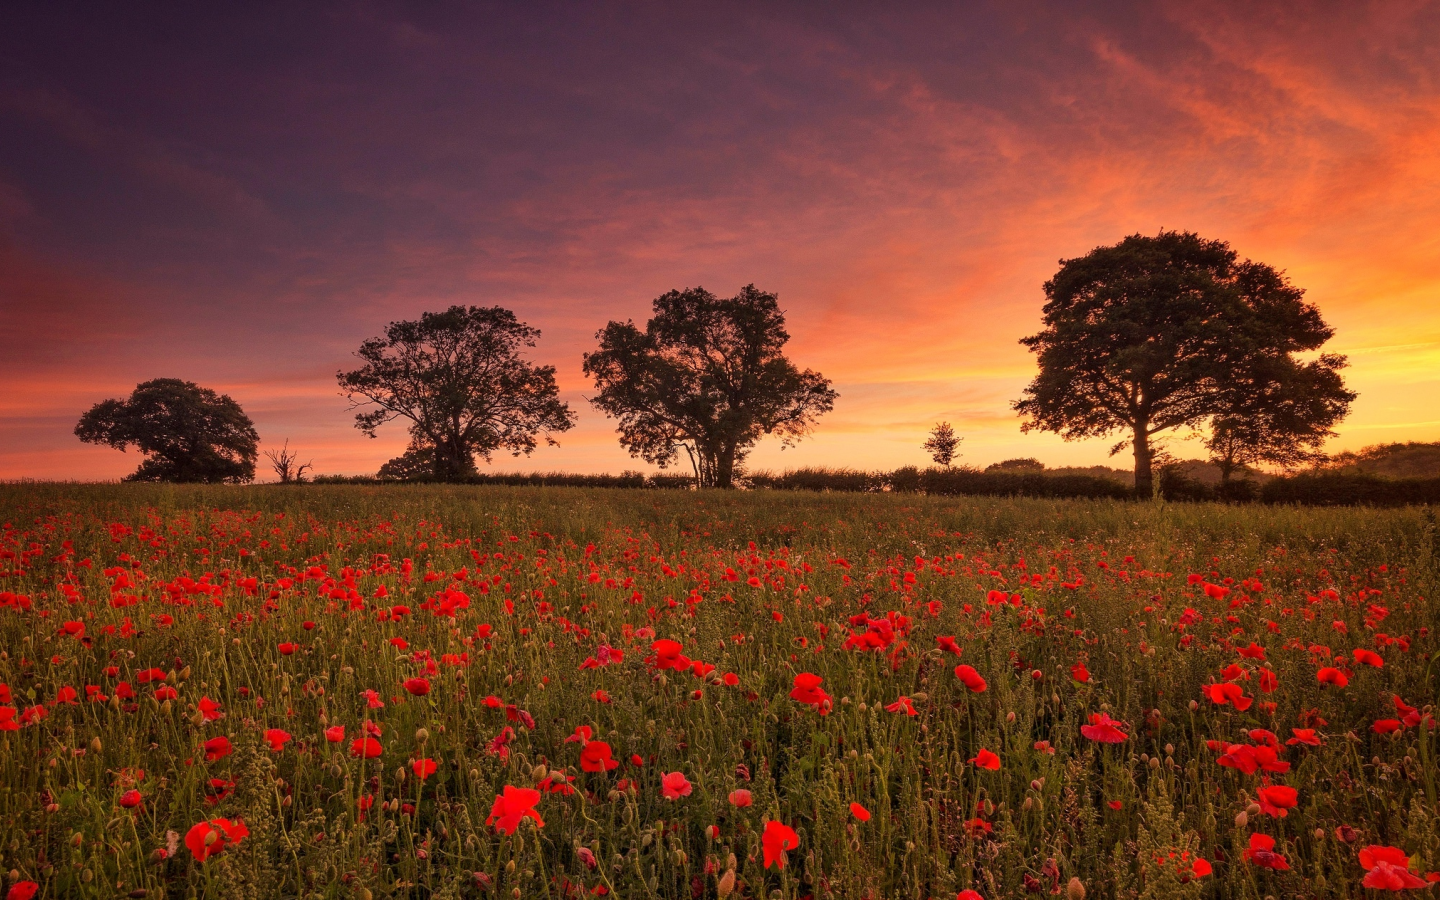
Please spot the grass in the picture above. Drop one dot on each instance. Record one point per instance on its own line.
(215, 583)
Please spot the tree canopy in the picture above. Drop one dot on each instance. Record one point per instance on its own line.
(1165, 332)
(459, 379)
(188, 433)
(942, 444)
(708, 374)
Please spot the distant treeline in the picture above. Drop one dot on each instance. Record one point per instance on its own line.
(1309, 489)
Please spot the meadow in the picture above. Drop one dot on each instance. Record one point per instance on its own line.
(428, 691)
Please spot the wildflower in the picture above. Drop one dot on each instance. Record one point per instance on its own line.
(904, 705)
(1369, 658)
(674, 785)
(1080, 673)
(276, 738)
(366, 748)
(206, 839)
(1262, 853)
(859, 812)
(668, 655)
(424, 768)
(210, 709)
(513, 806)
(1228, 692)
(740, 798)
(22, 890)
(970, 678)
(418, 687)
(1276, 799)
(1332, 675)
(986, 760)
(595, 757)
(776, 839)
(1388, 869)
(807, 690)
(130, 799)
(335, 734)
(1386, 726)
(1104, 729)
(287, 648)
(968, 894)
(217, 748)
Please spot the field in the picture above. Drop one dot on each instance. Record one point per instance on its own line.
(554, 692)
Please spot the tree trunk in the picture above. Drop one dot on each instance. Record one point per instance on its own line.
(1144, 477)
(725, 468)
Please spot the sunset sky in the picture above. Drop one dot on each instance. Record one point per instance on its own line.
(239, 199)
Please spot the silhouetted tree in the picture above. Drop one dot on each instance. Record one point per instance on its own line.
(1281, 411)
(458, 377)
(187, 433)
(1157, 333)
(417, 463)
(283, 461)
(942, 444)
(709, 375)
(1022, 464)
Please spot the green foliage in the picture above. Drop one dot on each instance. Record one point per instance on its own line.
(708, 375)
(187, 433)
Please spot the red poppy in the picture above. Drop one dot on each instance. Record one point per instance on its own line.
(277, 738)
(1228, 692)
(1104, 729)
(674, 785)
(22, 890)
(210, 709)
(859, 812)
(288, 648)
(904, 705)
(366, 748)
(1386, 726)
(424, 768)
(986, 760)
(1303, 736)
(417, 686)
(335, 734)
(1369, 658)
(968, 894)
(1262, 853)
(1387, 869)
(595, 757)
(740, 798)
(217, 748)
(970, 678)
(1332, 675)
(511, 807)
(776, 839)
(130, 799)
(1080, 673)
(207, 839)
(1202, 867)
(1276, 799)
(807, 690)
(668, 655)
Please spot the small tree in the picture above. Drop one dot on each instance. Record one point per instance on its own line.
(1158, 333)
(709, 375)
(283, 461)
(1281, 414)
(187, 433)
(459, 378)
(942, 445)
(417, 463)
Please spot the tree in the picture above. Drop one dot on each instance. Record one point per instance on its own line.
(417, 463)
(459, 378)
(1280, 413)
(283, 461)
(942, 444)
(187, 433)
(709, 375)
(1164, 332)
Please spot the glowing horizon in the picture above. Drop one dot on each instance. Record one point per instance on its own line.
(240, 201)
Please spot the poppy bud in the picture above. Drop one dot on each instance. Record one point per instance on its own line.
(211, 837)
(1194, 705)
(1253, 809)
(421, 735)
(95, 745)
(1037, 784)
(1241, 819)
(1010, 717)
(1154, 762)
(77, 838)
(726, 884)
(1075, 890)
(1169, 749)
(989, 807)
(1028, 804)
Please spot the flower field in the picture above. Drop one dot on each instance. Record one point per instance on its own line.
(528, 692)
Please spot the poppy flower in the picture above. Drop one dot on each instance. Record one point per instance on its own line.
(1104, 729)
(1332, 675)
(904, 705)
(668, 655)
(675, 785)
(22, 890)
(1202, 867)
(210, 709)
(1276, 799)
(1228, 692)
(807, 690)
(968, 894)
(948, 644)
(776, 839)
(366, 748)
(335, 734)
(206, 839)
(986, 760)
(217, 748)
(130, 799)
(513, 806)
(1369, 658)
(288, 648)
(419, 687)
(424, 768)
(1262, 853)
(277, 738)
(859, 812)
(595, 757)
(970, 678)
(1386, 726)
(1080, 673)
(1388, 869)
(740, 798)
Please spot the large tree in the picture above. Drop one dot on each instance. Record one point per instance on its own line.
(1165, 332)
(187, 433)
(708, 374)
(459, 379)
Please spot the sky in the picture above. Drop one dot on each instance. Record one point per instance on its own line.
(239, 195)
